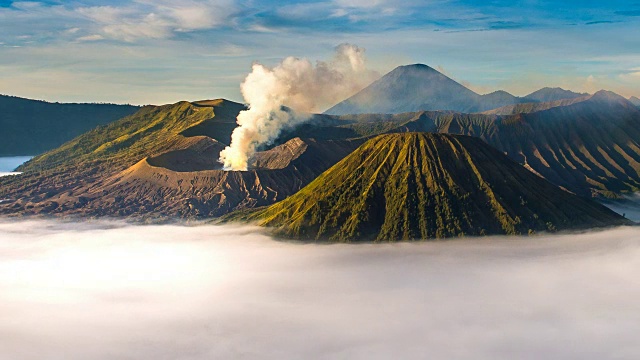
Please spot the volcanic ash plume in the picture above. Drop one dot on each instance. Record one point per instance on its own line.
(283, 96)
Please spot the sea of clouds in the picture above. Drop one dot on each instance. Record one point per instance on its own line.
(109, 290)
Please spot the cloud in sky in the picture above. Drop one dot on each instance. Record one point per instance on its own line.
(105, 290)
(484, 43)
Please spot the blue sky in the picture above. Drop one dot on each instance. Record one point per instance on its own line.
(161, 51)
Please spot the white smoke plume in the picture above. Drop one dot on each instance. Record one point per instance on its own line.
(298, 85)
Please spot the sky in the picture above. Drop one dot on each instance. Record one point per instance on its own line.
(163, 51)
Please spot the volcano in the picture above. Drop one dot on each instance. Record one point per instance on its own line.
(424, 186)
(419, 87)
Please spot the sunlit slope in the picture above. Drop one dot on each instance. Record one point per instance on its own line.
(102, 152)
(151, 130)
(163, 162)
(422, 186)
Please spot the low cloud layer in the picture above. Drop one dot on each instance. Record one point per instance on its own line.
(106, 290)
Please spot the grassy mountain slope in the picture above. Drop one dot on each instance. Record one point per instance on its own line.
(160, 162)
(30, 127)
(107, 150)
(421, 186)
(151, 130)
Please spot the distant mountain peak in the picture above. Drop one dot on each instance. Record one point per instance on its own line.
(635, 100)
(499, 92)
(416, 70)
(416, 66)
(548, 94)
(418, 87)
(608, 95)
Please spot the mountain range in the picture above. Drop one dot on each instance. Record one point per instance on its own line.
(419, 87)
(588, 145)
(31, 127)
(161, 162)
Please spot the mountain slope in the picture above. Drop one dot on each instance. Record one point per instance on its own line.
(163, 162)
(188, 183)
(635, 101)
(30, 127)
(108, 150)
(548, 94)
(525, 108)
(421, 186)
(418, 87)
(588, 145)
(151, 130)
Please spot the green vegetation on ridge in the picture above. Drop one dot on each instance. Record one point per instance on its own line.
(107, 150)
(151, 130)
(421, 186)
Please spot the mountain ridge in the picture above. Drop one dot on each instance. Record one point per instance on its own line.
(30, 127)
(548, 94)
(419, 87)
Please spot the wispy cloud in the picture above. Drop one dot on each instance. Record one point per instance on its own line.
(507, 39)
(158, 19)
(129, 21)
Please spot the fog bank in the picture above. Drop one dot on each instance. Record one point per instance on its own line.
(108, 290)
